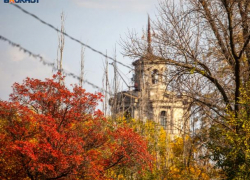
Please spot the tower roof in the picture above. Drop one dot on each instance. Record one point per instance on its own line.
(149, 59)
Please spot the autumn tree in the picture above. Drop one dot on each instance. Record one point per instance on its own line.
(50, 132)
(206, 45)
(168, 156)
(232, 150)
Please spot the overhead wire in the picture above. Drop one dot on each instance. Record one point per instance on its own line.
(116, 69)
(50, 64)
(45, 62)
(69, 36)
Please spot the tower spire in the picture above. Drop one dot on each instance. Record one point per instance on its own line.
(149, 49)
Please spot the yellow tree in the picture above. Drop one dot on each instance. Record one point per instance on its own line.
(170, 158)
(231, 149)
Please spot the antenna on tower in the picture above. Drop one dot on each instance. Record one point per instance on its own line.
(149, 49)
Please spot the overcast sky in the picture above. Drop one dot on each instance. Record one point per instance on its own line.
(98, 23)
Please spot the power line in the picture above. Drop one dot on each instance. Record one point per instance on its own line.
(72, 38)
(116, 69)
(50, 64)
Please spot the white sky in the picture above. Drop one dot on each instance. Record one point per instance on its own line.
(98, 23)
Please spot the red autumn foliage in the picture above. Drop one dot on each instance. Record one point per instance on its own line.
(50, 132)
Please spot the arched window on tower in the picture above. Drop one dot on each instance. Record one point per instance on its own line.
(163, 119)
(155, 76)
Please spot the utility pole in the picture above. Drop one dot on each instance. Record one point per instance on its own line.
(82, 67)
(105, 86)
(61, 46)
(115, 86)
